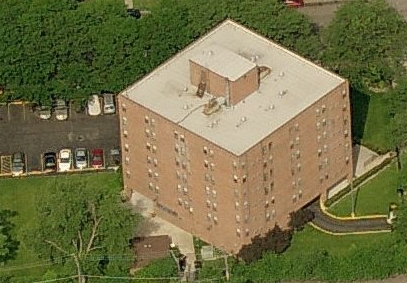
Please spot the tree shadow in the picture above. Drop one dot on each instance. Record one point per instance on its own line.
(360, 106)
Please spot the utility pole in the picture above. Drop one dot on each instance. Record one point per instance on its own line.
(353, 198)
(227, 275)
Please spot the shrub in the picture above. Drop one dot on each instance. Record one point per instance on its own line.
(299, 218)
(276, 240)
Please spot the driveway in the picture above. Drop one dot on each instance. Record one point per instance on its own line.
(21, 130)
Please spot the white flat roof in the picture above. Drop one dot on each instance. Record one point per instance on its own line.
(223, 61)
(168, 92)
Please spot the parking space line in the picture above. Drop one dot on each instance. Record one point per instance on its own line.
(26, 164)
(24, 110)
(42, 163)
(8, 112)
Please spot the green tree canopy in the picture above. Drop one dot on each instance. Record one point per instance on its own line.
(8, 245)
(86, 229)
(75, 48)
(366, 43)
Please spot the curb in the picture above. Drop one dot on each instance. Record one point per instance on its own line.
(345, 218)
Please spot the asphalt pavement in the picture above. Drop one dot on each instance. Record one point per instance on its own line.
(21, 130)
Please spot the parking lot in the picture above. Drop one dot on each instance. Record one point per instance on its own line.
(21, 130)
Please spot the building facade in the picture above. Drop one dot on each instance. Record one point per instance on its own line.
(232, 134)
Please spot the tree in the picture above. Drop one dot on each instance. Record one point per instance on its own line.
(275, 240)
(85, 229)
(8, 245)
(366, 43)
(299, 218)
(398, 101)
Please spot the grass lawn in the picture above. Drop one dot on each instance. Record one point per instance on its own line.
(310, 239)
(19, 195)
(370, 120)
(374, 196)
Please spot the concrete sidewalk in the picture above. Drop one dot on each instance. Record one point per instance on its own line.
(154, 226)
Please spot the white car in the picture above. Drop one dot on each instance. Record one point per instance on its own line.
(64, 160)
(61, 110)
(94, 108)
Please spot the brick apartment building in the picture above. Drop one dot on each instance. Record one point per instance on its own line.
(233, 133)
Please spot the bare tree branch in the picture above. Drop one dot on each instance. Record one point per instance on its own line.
(80, 242)
(96, 221)
(57, 247)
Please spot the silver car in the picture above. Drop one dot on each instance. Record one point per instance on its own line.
(108, 104)
(17, 164)
(81, 158)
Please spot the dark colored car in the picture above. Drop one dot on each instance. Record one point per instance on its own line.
(50, 161)
(17, 164)
(97, 158)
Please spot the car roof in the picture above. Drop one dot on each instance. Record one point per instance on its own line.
(97, 150)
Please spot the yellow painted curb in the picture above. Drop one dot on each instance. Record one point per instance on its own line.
(348, 233)
(325, 210)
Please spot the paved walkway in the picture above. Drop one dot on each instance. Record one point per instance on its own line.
(335, 225)
(154, 226)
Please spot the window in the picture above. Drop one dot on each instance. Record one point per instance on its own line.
(215, 206)
(156, 175)
(206, 164)
(234, 165)
(185, 190)
(214, 193)
(207, 190)
(265, 164)
(157, 189)
(237, 217)
(324, 122)
(212, 166)
(176, 135)
(147, 131)
(150, 173)
(154, 149)
(205, 150)
(182, 138)
(125, 133)
(215, 219)
(208, 203)
(126, 147)
(244, 179)
(270, 145)
(146, 119)
(155, 162)
(265, 177)
(235, 179)
(209, 216)
(152, 122)
(319, 152)
(211, 153)
(127, 160)
(263, 150)
(273, 200)
(148, 146)
(179, 188)
(149, 159)
(177, 162)
(124, 120)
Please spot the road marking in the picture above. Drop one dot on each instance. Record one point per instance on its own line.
(24, 110)
(8, 112)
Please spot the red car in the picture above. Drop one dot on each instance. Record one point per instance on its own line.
(97, 158)
(294, 3)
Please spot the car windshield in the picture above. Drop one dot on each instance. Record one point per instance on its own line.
(80, 157)
(65, 160)
(49, 161)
